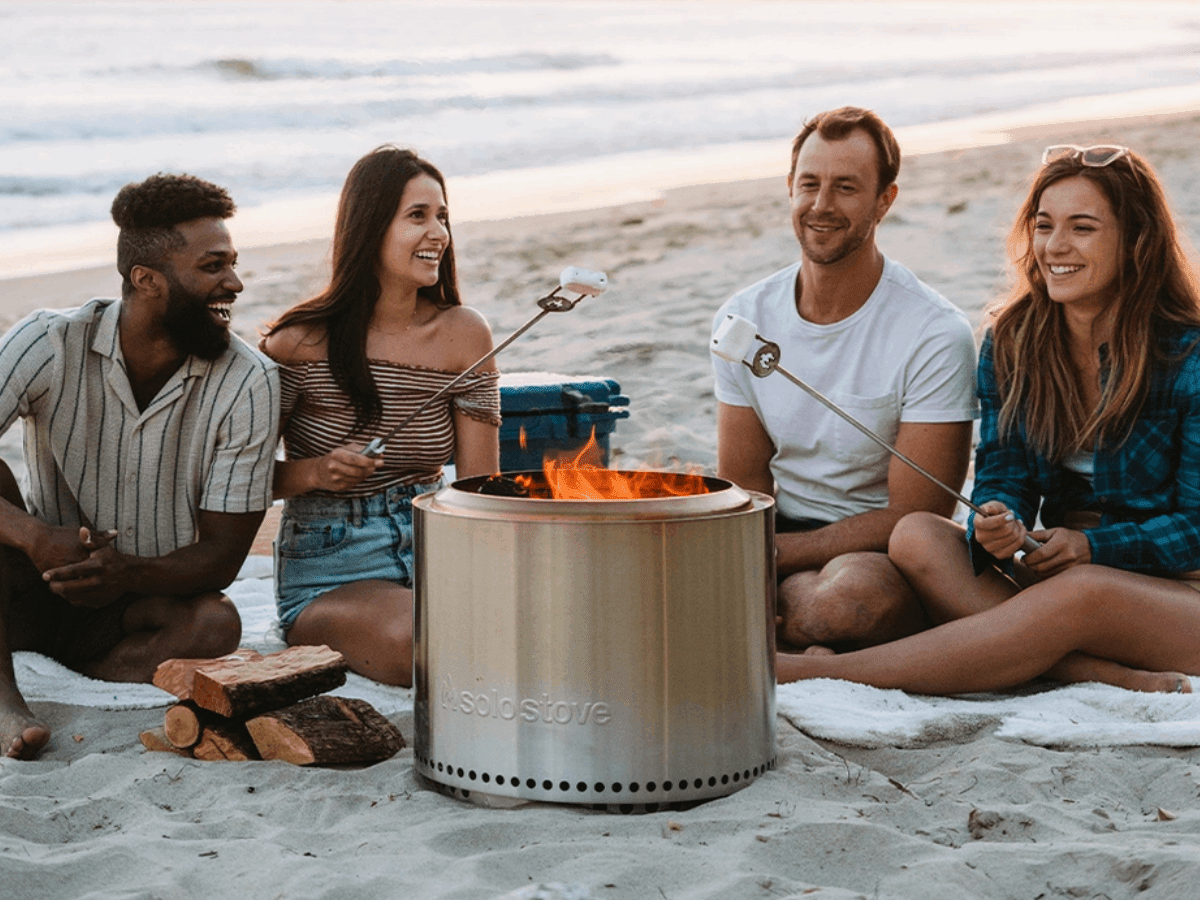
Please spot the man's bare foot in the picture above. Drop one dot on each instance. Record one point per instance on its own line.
(22, 736)
(818, 650)
(26, 743)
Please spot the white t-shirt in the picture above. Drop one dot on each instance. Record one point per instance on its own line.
(907, 355)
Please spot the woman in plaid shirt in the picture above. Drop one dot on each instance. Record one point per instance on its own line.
(1089, 382)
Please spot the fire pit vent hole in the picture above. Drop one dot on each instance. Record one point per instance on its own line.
(566, 787)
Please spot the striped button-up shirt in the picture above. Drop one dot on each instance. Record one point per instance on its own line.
(206, 441)
(1147, 490)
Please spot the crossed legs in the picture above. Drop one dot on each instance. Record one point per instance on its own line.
(1088, 623)
(123, 643)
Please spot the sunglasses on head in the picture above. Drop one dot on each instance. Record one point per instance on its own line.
(1096, 157)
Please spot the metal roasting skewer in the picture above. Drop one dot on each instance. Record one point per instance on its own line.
(733, 340)
(582, 281)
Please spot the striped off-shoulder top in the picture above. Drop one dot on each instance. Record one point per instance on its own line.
(318, 417)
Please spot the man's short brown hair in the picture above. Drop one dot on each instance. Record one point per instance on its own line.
(836, 125)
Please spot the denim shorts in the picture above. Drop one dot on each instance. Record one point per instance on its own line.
(325, 542)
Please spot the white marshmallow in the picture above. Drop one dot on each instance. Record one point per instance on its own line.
(583, 281)
(734, 338)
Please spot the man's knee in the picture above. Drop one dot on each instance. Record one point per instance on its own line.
(203, 626)
(216, 624)
(855, 598)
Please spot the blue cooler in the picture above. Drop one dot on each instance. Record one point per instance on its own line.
(558, 413)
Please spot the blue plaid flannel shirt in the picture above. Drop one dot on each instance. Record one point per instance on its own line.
(1147, 491)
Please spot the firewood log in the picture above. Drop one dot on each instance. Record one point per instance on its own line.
(325, 730)
(175, 675)
(225, 741)
(240, 688)
(184, 723)
(155, 739)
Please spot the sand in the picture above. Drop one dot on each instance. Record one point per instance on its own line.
(976, 816)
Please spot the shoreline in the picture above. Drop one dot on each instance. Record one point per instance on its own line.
(606, 182)
(20, 292)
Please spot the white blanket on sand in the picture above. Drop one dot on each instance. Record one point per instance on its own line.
(1080, 715)
(1086, 715)
(42, 679)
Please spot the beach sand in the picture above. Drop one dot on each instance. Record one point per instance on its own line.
(979, 816)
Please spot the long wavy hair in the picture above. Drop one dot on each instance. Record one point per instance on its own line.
(1156, 293)
(343, 310)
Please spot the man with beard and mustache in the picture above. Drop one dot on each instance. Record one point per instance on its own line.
(891, 351)
(150, 435)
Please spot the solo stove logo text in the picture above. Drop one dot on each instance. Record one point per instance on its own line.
(544, 708)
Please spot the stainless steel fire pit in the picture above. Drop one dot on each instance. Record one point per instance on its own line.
(595, 651)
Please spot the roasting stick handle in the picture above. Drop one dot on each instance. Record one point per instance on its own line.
(1029, 545)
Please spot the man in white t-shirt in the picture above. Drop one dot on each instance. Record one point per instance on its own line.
(885, 347)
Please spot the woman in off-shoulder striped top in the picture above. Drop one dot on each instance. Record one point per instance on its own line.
(387, 333)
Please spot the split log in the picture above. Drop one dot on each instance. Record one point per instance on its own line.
(241, 688)
(229, 741)
(175, 675)
(325, 730)
(156, 739)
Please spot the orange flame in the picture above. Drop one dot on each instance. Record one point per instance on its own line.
(582, 477)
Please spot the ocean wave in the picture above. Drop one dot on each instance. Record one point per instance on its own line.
(304, 108)
(344, 69)
(12, 187)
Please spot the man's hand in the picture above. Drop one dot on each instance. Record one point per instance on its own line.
(56, 546)
(97, 579)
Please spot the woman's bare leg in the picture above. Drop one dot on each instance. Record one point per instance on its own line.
(1137, 621)
(931, 552)
(369, 623)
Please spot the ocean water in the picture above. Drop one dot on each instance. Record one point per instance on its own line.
(275, 100)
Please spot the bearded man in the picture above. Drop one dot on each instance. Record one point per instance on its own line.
(149, 441)
(891, 351)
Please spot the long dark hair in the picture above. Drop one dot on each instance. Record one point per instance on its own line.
(1156, 293)
(369, 200)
